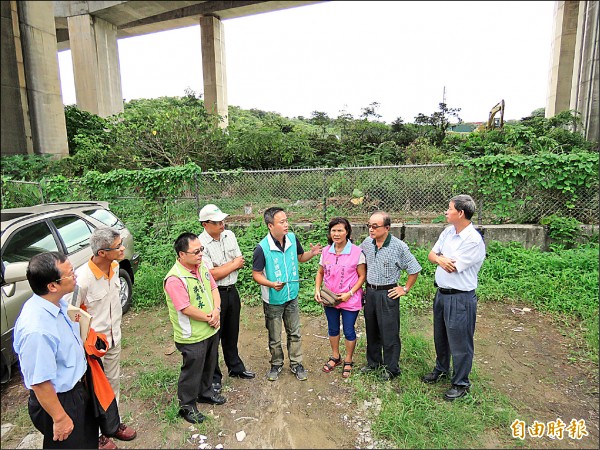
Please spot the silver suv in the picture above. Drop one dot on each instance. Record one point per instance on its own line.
(63, 227)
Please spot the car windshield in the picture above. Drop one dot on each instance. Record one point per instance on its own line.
(106, 217)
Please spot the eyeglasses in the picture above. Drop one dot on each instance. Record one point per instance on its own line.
(374, 226)
(196, 252)
(220, 222)
(118, 247)
(66, 278)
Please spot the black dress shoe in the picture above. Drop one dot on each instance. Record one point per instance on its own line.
(246, 374)
(367, 369)
(433, 377)
(216, 387)
(387, 375)
(456, 392)
(215, 399)
(191, 414)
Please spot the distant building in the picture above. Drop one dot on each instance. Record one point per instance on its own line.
(465, 127)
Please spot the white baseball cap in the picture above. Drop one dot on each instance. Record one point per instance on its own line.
(211, 212)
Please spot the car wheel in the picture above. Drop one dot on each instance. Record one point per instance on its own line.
(5, 370)
(126, 290)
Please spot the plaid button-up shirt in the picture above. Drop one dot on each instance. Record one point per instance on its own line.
(385, 264)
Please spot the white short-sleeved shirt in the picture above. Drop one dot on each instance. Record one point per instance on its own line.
(219, 252)
(467, 249)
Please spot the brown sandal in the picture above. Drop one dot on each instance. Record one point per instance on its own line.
(346, 372)
(336, 362)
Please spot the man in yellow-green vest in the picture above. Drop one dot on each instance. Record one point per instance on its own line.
(194, 309)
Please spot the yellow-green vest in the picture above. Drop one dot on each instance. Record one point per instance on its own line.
(185, 329)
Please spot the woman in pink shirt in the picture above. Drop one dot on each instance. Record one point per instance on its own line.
(343, 269)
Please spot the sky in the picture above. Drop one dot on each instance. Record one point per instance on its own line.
(342, 56)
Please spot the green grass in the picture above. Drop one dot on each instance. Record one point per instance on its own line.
(563, 282)
(414, 415)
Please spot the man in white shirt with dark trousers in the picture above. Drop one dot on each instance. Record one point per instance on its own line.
(223, 258)
(459, 253)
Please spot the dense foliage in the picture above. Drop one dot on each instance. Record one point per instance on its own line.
(174, 131)
(510, 272)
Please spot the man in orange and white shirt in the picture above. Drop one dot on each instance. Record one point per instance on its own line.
(98, 291)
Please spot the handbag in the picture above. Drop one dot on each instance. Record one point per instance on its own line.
(329, 298)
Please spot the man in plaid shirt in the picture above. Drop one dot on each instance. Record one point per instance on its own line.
(387, 256)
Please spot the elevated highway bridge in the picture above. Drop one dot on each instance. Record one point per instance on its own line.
(34, 31)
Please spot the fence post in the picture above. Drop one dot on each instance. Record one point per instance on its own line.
(196, 193)
(40, 187)
(324, 195)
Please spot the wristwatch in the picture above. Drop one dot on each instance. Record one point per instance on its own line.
(405, 290)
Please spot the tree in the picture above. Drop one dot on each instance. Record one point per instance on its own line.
(438, 122)
(320, 119)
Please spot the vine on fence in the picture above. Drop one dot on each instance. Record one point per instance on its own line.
(497, 178)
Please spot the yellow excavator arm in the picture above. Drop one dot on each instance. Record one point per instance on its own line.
(491, 124)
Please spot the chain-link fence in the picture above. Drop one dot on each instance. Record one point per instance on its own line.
(410, 194)
(17, 194)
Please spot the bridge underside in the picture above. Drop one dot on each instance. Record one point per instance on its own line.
(135, 18)
(33, 31)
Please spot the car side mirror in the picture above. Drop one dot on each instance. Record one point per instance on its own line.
(15, 272)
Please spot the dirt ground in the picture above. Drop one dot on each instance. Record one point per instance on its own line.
(524, 353)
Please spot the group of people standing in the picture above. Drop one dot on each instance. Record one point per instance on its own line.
(344, 268)
(204, 309)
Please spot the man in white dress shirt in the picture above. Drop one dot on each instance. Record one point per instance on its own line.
(223, 258)
(459, 253)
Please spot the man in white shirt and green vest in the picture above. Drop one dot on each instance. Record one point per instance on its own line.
(275, 268)
(194, 309)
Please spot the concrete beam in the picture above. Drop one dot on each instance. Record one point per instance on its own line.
(214, 67)
(586, 76)
(46, 110)
(15, 125)
(136, 18)
(96, 65)
(562, 57)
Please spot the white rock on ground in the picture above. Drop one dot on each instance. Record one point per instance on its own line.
(240, 435)
(6, 428)
(33, 440)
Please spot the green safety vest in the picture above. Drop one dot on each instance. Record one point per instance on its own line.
(280, 266)
(185, 329)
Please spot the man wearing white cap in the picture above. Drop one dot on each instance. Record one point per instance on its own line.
(223, 259)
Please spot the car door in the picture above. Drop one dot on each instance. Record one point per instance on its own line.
(74, 233)
(21, 246)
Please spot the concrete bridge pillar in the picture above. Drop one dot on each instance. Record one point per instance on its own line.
(33, 118)
(95, 65)
(15, 113)
(574, 73)
(214, 68)
(586, 71)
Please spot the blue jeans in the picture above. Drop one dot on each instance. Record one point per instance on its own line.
(348, 320)
(289, 313)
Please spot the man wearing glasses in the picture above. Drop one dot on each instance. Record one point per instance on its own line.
(98, 291)
(223, 258)
(195, 311)
(52, 357)
(387, 256)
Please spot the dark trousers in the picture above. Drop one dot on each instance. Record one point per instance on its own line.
(199, 362)
(78, 406)
(382, 323)
(454, 318)
(229, 333)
